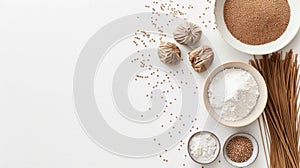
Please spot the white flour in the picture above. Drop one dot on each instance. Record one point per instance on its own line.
(204, 147)
(233, 94)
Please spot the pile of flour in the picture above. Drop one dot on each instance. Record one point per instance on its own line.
(233, 94)
(204, 147)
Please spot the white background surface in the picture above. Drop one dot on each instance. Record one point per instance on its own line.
(40, 42)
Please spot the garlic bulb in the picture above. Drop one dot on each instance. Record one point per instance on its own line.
(187, 33)
(169, 53)
(201, 58)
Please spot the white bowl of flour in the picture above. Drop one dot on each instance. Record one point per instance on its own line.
(204, 147)
(235, 94)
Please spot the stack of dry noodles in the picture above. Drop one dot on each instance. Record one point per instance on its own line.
(281, 117)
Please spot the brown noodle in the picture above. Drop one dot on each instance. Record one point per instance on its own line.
(281, 117)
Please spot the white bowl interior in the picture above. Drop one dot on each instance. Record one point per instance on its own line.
(261, 102)
(276, 45)
(217, 152)
(253, 156)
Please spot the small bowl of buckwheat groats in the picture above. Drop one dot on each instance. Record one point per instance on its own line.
(240, 149)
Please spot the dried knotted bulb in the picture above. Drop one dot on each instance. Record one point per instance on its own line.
(187, 33)
(169, 53)
(201, 58)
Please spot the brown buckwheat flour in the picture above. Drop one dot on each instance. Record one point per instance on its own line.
(256, 22)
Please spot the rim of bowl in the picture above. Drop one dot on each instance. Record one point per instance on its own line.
(242, 134)
(199, 132)
(262, 99)
(292, 29)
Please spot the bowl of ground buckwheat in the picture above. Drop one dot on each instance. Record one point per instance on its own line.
(257, 26)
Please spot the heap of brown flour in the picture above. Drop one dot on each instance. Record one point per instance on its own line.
(256, 22)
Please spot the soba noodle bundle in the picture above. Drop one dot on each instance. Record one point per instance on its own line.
(281, 116)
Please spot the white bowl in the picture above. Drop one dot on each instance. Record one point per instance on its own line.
(253, 156)
(260, 104)
(276, 45)
(216, 154)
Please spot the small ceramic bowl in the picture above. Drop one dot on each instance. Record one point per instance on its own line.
(276, 45)
(260, 104)
(253, 156)
(216, 154)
